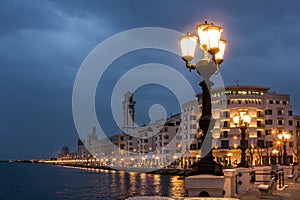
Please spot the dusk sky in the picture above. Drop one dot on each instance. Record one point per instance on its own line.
(43, 44)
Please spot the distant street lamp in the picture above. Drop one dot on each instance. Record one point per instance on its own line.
(209, 39)
(242, 122)
(284, 137)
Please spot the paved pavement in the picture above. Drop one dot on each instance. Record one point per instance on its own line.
(290, 192)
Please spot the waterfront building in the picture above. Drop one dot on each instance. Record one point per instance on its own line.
(297, 140)
(178, 140)
(65, 154)
(149, 145)
(271, 114)
(82, 153)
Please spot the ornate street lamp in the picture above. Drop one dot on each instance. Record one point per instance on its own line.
(242, 122)
(209, 39)
(284, 137)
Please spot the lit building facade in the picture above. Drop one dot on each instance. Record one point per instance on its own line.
(178, 139)
(271, 114)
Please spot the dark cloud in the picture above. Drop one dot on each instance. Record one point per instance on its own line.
(43, 43)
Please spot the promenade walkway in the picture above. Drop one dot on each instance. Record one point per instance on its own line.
(291, 192)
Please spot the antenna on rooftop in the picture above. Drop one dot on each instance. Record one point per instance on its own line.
(237, 83)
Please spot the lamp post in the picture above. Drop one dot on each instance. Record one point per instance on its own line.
(209, 39)
(275, 152)
(251, 151)
(284, 137)
(242, 122)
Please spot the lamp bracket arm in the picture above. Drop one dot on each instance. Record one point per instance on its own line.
(190, 66)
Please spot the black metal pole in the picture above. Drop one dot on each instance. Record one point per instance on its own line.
(244, 146)
(284, 153)
(207, 165)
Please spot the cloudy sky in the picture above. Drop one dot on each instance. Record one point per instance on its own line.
(43, 44)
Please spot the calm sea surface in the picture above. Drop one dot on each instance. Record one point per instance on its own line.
(37, 181)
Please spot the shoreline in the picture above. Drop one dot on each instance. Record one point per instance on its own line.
(161, 171)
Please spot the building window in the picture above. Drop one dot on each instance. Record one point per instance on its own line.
(192, 136)
(279, 112)
(271, 101)
(166, 137)
(239, 101)
(260, 143)
(268, 112)
(225, 144)
(259, 124)
(225, 124)
(290, 113)
(291, 144)
(279, 121)
(193, 126)
(268, 122)
(225, 134)
(258, 133)
(284, 102)
(225, 113)
(269, 143)
(192, 117)
(178, 137)
(290, 122)
(258, 113)
(268, 132)
(193, 147)
(228, 101)
(277, 102)
(291, 132)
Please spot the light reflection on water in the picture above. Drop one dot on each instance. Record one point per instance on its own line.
(36, 181)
